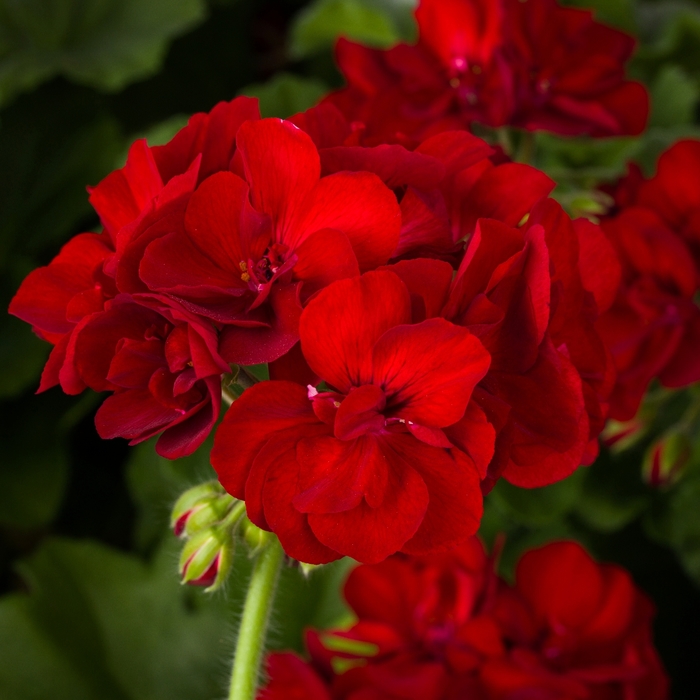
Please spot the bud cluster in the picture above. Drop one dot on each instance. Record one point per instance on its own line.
(208, 519)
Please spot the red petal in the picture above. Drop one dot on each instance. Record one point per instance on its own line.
(282, 166)
(324, 257)
(359, 205)
(428, 371)
(282, 474)
(428, 282)
(45, 294)
(561, 582)
(454, 489)
(336, 474)
(125, 193)
(261, 411)
(340, 326)
(372, 534)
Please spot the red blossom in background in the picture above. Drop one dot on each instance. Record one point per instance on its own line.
(445, 627)
(653, 329)
(527, 63)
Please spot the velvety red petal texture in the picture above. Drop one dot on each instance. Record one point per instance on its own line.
(362, 309)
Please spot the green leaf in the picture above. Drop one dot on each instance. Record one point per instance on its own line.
(671, 33)
(102, 43)
(675, 521)
(541, 506)
(617, 13)
(22, 355)
(319, 25)
(674, 98)
(34, 467)
(286, 94)
(583, 160)
(612, 494)
(105, 626)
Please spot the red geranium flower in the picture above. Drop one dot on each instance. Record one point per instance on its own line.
(444, 627)
(250, 266)
(573, 629)
(124, 194)
(653, 329)
(162, 365)
(137, 203)
(526, 63)
(423, 628)
(569, 72)
(363, 467)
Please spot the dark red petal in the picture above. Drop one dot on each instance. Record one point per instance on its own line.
(261, 411)
(184, 438)
(505, 193)
(340, 326)
(598, 264)
(133, 414)
(282, 473)
(454, 489)
(290, 678)
(562, 583)
(428, 371)
(337, 474)
(372, 534)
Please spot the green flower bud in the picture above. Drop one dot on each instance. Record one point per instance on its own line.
(192, 500)
(206, 559)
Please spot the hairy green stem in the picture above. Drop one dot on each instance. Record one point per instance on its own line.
(256, 617)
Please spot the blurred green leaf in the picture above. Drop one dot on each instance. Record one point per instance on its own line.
(155, 483)
(617, 13)
(538, 507)
(675, 521)
(47, 162)
(101, 624)
(671, 34)
(321, 23)
(102, 43)
(34, 467)
(583, 160)
(612, 493)
(286, 94)
(674, 98)
(22, 355)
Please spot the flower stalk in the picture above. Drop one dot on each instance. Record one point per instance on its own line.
(254, 625)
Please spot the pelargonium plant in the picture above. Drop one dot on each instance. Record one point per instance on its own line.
(395, 315)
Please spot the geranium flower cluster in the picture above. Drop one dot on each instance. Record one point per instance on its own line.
(527, 63)
(446, 626)
(428, 317)
(653, 328)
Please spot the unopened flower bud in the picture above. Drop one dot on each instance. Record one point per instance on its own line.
(619, 436)
(192, 501)
(206, 559)
(666, 458)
